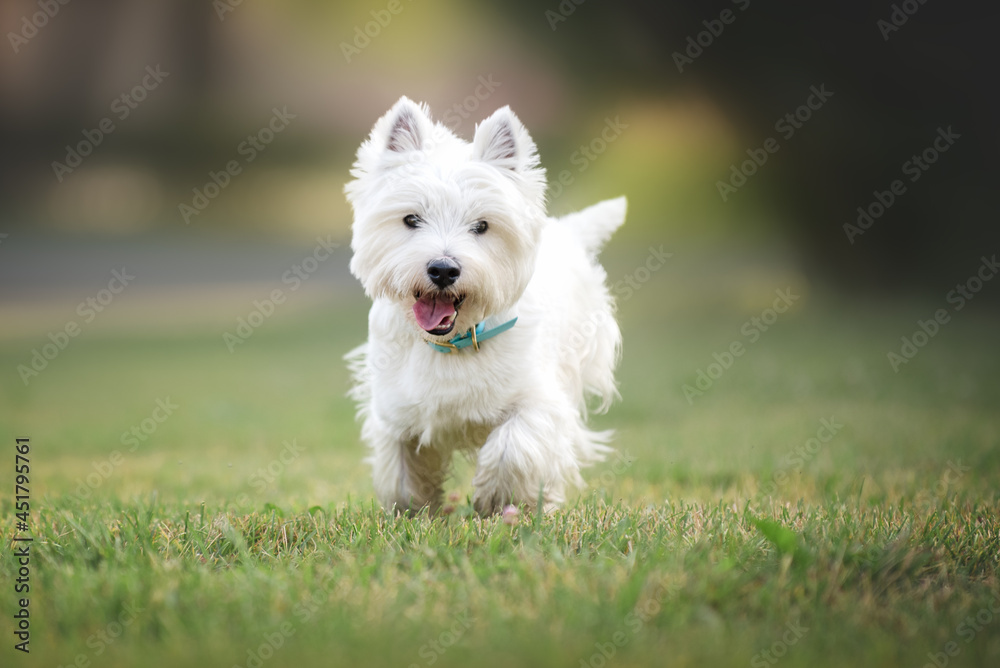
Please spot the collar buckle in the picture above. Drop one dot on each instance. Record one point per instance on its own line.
(472, 338)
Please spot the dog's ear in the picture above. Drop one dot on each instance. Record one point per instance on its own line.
(406, 127)
(395, 140)
(502, 141)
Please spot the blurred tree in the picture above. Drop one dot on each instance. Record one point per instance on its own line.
(68, 74)
(899, 71)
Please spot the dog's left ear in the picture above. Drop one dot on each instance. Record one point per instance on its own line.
(502, 141)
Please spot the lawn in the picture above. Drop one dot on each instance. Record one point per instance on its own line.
(810, 507)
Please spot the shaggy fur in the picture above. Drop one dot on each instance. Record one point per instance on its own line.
(420, 194)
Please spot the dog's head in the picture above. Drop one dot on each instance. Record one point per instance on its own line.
(446, 229)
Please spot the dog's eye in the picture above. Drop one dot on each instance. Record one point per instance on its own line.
(480, 227)
(411, 221)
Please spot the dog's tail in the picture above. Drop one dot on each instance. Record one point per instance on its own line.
(595, 224)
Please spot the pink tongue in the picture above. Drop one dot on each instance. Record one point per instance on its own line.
(432, 310)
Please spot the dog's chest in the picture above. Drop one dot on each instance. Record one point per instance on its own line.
(456, 400)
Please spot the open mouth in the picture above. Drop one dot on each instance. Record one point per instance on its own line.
(436, 311)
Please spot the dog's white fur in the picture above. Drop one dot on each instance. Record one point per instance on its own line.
(521, 402)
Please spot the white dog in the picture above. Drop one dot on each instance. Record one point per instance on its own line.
(490, 326)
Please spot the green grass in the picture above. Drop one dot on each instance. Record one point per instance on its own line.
(876, 547)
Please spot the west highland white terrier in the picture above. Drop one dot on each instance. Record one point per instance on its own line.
(491, 329)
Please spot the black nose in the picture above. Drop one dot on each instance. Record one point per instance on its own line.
(443, 271)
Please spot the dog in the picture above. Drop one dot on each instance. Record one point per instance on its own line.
(491, 329)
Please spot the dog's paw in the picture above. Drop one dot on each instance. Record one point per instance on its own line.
(488, 502)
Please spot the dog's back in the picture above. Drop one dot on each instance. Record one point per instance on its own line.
(583, 322)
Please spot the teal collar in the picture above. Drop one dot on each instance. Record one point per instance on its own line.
(473, 337)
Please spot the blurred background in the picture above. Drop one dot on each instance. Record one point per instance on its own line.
(688, 112)
(175, 303)
(202, 148)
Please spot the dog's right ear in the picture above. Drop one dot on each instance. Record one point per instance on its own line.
(406, 127)
(395, 139)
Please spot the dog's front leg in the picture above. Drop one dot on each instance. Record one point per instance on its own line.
(406, 478)
(525, 456)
